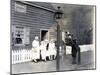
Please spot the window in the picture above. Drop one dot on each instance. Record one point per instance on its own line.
(19, 7)
(20, 35)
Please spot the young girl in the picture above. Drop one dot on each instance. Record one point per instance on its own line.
(52, 49)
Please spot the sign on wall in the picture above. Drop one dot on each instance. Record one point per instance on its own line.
(20, 7)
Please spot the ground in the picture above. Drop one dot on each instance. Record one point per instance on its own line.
(87, 62)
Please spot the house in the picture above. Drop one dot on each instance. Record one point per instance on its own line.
(30, 19)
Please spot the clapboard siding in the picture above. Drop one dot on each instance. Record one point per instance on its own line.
(35, 18)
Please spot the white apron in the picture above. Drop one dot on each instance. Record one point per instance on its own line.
(43, 50)
(52, 49)
(35, 50)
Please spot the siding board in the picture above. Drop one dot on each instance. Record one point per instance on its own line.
(35, 18)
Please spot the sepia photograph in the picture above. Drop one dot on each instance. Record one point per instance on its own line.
(51, 37)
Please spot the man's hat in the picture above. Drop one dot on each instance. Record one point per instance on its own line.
(70, 34)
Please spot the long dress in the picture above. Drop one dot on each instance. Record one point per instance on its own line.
(52, 49)
(35, 50)
(43, 50)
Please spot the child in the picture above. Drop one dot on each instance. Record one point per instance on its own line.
(52, 50)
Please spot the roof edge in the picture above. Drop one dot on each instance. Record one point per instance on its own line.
(41, 7)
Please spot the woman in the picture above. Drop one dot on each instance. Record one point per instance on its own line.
(35, 49)
(43, 50)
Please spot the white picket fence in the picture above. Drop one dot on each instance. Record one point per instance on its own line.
(22, 55)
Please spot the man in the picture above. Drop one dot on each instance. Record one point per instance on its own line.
(35, 49)
(75, 50)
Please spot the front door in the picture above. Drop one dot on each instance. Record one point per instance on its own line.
(43, 34)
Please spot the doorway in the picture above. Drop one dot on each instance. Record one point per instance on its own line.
(43, 34)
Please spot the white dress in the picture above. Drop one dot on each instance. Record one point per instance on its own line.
(35, 50)
(52, 49)
(43, 50)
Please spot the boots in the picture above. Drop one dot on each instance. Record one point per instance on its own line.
(74, 60)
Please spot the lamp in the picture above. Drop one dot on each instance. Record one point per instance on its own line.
(58, 15)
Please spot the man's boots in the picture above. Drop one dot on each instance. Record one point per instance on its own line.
(74, 60)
